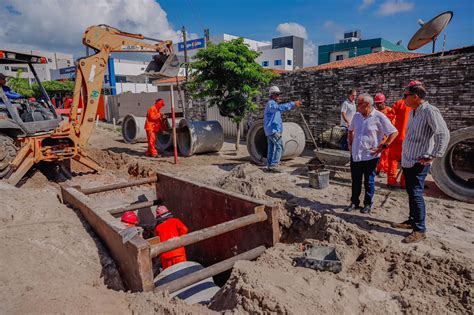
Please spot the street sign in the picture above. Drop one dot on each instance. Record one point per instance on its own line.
(192, 44)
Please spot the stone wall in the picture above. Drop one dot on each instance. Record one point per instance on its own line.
(448, 78)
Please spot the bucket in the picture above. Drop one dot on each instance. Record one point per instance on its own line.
(318, 179)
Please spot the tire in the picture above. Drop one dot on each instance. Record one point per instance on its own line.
(8, 152)
(444, 175)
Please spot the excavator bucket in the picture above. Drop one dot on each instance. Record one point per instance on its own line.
(163, 66)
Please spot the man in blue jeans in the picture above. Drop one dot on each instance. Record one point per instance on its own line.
(273, 127)
(367, 140)
(427, 138)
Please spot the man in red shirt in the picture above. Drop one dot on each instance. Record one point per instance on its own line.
(402, 113)
(154, 124)
(169, 227)
(379, 100)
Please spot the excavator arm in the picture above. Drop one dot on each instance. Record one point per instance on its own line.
(91, 70)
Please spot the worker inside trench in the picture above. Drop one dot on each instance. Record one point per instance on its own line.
(173, 264)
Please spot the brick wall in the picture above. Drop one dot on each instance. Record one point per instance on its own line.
(449, 80)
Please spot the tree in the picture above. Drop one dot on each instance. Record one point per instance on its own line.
(20, 85)
(227, 76)
(53, 87)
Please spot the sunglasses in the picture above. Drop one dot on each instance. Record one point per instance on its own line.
(406, 95)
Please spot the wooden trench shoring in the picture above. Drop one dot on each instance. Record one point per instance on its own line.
(223, 227)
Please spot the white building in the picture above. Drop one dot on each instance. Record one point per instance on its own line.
(270, 58)
(55, 61)
(129, 78)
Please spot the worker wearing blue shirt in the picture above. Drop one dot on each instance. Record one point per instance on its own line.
(273, 127)
(8, 92)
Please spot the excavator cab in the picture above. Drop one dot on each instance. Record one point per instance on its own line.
(163, 66)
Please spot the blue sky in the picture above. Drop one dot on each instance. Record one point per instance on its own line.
(321, 22)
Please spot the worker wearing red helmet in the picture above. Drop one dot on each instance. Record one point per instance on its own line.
(129, 218)
(379, 100)
(402, 113)
(169, 227)
(153, 125)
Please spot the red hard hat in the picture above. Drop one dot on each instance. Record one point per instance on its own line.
(129, 217)
(161, 210)
(413, 83)
(379, 98)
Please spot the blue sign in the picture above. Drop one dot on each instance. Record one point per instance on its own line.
(67, 70)
(192, 44)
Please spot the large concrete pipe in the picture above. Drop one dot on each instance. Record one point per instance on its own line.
(133, 129)
(164, 141)
(293, 142)
(459, 184)
(199, 136)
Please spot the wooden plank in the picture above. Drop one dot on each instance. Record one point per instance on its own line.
(133, 258)
(206, 233)
(94, 190)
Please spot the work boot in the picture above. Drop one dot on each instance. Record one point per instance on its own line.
(351, 208)
(274, 169)
(406, 225)
(366, 209)
(414, 237)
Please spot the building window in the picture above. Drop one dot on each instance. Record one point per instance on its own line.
(289, 62)
(277, 62)
(340, 57)
(120, 79)
(15, 69)
(7, 68)
(264, 63)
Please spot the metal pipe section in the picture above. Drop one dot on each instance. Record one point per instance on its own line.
(213, 270)
(204, 234)
(143, 181)
(293, 138)
(133, 206)
(133, 129)
(199, 137)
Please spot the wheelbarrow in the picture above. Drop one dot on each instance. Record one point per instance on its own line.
(330, 159)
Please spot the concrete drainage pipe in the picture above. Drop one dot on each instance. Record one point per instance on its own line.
(133, 129)
(199, 137)
(164, 141)
(293, 142)
(454, 172)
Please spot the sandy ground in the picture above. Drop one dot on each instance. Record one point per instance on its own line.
(51, 261)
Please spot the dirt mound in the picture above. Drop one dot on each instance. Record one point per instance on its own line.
(246, 179)
(376, 277)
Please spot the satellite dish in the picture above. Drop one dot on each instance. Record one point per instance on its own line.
(430, 30)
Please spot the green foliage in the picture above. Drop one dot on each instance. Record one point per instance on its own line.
(52, 87)
(227, 76)
(20, 85)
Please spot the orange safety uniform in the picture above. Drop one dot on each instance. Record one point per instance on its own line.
(172, 227)
(402, 113)
(382, 166)
(154, 124)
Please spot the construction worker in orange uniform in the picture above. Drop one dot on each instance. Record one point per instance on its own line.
(402, 113)
(379, 100)
(154, 124)
(129, 218)
(169, 227)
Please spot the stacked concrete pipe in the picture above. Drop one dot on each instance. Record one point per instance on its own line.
(293, 138)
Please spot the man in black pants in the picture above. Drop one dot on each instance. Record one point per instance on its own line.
(367, 132)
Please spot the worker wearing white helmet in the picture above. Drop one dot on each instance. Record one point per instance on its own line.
(273, 126)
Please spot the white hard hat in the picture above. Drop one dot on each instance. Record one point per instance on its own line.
(274, 90)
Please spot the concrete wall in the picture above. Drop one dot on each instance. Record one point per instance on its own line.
(449, 79)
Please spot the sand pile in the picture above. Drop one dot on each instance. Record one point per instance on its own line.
(376, 278)
(247, 179)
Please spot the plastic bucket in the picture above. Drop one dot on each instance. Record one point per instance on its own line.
(318, 179)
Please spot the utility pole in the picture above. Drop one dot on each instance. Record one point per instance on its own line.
(183, 30)
(206, 35)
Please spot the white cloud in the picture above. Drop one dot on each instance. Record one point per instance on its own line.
(59, 25)
(335, 29)
(309, 49)
(391, 7)
(286, 29)
(365, 4)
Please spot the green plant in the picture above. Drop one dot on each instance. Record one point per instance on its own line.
(227, 76)
(20, 85)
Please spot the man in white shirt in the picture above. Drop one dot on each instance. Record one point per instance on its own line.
(348, 109)
(366, 141)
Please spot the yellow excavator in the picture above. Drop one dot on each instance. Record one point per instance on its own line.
(31, 132)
